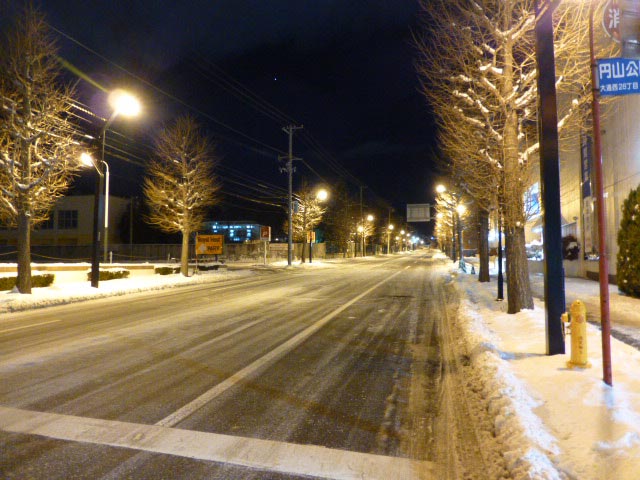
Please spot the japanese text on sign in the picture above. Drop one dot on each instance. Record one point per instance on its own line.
(618, 76)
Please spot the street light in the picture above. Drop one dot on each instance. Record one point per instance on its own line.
(125, 104)
(321, 196)
(389, 230)
(457, 209)
(364, 235)
(89, 161)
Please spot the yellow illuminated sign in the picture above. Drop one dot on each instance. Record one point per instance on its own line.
(209, 244)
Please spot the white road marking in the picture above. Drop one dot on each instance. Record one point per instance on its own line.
(28, 326)
(275, 354)
(269, 455)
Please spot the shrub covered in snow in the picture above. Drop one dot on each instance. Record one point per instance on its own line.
(628, 261)
(39, 280)
(111, 274)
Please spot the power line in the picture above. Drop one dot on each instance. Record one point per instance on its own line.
(167, 94)
(215, 74)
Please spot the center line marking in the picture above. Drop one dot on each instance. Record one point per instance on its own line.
(28, 326)
(275, 354)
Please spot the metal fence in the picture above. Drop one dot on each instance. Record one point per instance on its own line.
(122, 253)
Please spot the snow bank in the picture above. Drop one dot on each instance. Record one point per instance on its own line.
(554, 422)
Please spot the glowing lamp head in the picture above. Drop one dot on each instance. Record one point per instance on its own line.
(87, 159)
(322, 195)
(123, 103)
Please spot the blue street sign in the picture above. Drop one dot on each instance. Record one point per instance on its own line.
(618, 76)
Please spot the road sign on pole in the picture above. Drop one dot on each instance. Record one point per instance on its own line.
(618, 76)
(418, 212)
(209, 244)
(611, 20)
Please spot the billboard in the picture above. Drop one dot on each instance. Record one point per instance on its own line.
(209, 244)
(418, 212)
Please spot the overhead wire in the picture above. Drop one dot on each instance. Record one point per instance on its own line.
(215, 74)
(231, 85)
(167, 94)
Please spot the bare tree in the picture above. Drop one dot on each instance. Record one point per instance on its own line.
(479, 74)
(341, 218)
(309, 215)
(38, 147)
(179, 184)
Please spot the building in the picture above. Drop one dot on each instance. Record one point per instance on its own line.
(620, 135)
(240, 231)
(71, 223)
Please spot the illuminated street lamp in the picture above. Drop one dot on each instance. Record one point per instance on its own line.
(389, 230)
(451, 200)
(364, 235)
(125, 104)
(321, 196)
(103, 173)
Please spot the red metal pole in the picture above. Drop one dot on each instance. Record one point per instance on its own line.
(602, 235)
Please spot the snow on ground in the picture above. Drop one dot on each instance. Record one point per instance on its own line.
(73, 286)
(556, 422)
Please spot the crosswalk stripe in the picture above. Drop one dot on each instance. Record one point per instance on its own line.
(269, 455)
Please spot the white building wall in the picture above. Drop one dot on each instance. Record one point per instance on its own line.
(621, 160)
(620, 129)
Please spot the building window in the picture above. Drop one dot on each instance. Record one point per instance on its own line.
(67, 219)
(532, 200)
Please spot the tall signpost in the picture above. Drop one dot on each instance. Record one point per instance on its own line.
(550, 176)
(265, 236)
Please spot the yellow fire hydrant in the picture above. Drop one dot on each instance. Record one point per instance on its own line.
(578, 315)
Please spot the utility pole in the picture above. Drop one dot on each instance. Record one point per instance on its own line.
(361, 224)
(554, 293)
(289, 130)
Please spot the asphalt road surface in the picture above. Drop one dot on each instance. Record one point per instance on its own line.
(334, 372)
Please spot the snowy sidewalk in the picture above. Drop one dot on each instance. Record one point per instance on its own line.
(556, 422)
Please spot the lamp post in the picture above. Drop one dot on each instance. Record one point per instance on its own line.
(460, 210)
(105, 166)
(89, 161)
(500, 276)
(457, 209)
(364, 235)
(321, 196)
(389, 230)
(122, 103)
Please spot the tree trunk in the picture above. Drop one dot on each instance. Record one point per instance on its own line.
(304, 246)
(24, 253)
(184, 254)
(518, 286)
(483, 236)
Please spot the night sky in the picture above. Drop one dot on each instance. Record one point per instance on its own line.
(246, 68)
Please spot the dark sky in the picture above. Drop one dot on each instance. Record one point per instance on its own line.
(343, 68)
